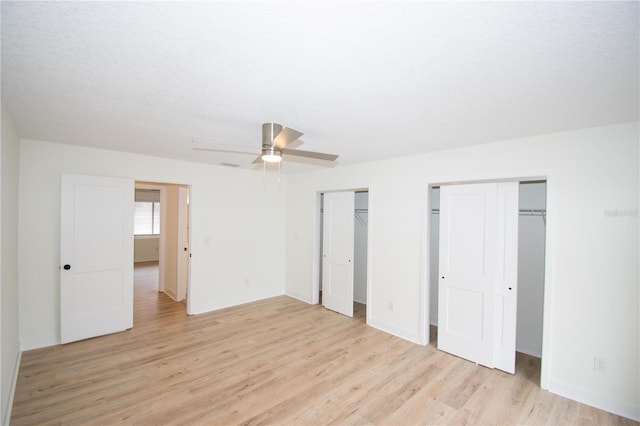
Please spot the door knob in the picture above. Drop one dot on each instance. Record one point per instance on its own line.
(67, 267)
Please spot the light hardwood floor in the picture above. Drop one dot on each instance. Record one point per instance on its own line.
(277, 361)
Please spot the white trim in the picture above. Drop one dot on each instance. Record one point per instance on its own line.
(39, 342)
(360, 300)
(147, 259)
(301, 297)
(400, 332)
(370, 227)
(146, 236)
(316, 264)
(425, 266)
(162, 242)
(201, 309)
(603, 402)
(172, 295)
(549, 269)
(12, 391)
(529, 349)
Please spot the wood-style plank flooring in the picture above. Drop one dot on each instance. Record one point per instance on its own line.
(277, 361)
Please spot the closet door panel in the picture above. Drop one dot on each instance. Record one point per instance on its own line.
(337, 256)
(478, 271)
(506, 288)
(467, 270)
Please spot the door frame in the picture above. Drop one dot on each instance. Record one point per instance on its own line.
(549, 253)
(317, 240)
(161, 184)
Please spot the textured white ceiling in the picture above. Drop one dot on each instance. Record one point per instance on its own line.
(364, 80)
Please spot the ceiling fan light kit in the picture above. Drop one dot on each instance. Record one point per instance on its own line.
(271, 155)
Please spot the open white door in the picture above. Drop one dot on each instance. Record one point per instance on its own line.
(478, 259)
(337, 257)
(96, 256)
(183, 260)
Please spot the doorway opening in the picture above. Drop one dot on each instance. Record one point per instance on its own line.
(355, 233)
(531, 248)
(162, 249)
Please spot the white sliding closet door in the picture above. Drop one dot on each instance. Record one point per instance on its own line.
(506, 289)
(477, 298)
(337, 256)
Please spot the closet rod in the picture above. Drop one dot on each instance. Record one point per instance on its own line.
(356, 210)
(523, 212)
(533, 212)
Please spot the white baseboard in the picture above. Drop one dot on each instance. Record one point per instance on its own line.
(140, 259)
(529, 349)
(12, 391)
(603, 402)
(201, 309)
(299, 296)
(396, 331)
(171, 294)
(361, 300)
(39, 342)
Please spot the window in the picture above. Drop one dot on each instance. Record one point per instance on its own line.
(146, 220)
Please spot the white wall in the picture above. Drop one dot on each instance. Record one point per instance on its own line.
(10, 348)
(360, 249)
(591, 293)
(145, 249)
(434, 256)
(236, 258)
(531, 243)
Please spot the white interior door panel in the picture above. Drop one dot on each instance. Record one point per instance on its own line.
(337, 256)
(96, 256)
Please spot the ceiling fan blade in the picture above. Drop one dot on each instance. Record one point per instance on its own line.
(295, 144)
(201, 146)
(285, 137)
(309, 154)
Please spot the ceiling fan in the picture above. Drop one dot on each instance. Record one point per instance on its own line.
(277, 143)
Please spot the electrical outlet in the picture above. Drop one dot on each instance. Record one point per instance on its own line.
(246, 281)
(599, 364)
(390, 306)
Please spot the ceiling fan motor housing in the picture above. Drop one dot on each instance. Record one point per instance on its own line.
(269, 133)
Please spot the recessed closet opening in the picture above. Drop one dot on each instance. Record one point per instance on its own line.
(531, 241)
(342, 246)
